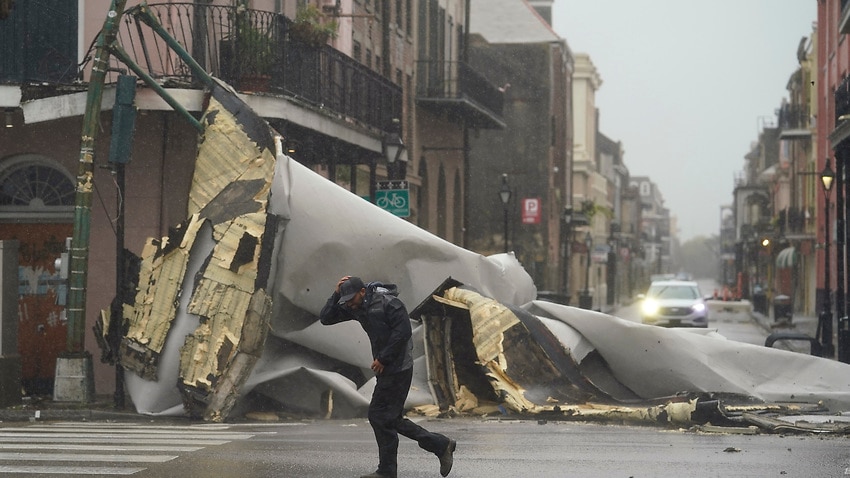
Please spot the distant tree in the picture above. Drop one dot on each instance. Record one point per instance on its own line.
(700, 257)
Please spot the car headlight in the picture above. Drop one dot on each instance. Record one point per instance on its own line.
(699, 307)
(649, 307)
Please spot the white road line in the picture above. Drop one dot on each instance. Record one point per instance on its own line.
(84, 457)
(96, 447)
(70, 470)
(192, 426)
(107, 432)
(144, 441)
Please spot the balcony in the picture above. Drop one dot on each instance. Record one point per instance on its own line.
(455, 88)
(794, 122)
(257, 51)
(234, 44)
(792, 223)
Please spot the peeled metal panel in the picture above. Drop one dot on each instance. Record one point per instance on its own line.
(161, 275)
(231, 185)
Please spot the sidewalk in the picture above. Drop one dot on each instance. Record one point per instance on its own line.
(796, 325)
(34, 409)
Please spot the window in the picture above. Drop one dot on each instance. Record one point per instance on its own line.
(33, 187)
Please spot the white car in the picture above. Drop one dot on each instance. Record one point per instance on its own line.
(674, 303)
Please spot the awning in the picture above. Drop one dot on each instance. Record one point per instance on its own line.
(786, 258)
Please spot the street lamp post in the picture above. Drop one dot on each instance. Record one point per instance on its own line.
(505, 196)
(611, 268)
(568, 224)
(585, 301)
(825, 318)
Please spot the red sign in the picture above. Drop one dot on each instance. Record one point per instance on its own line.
(531, 211)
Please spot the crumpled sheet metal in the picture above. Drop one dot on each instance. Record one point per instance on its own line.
(332, 232)
(658, 362)
(701, 374)
(277, 223)
(527, 367)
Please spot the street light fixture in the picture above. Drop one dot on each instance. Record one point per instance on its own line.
(394, 152)
(827, 176)
(505, 196)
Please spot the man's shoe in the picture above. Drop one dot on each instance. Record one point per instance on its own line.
(447, 458)
(375, 475)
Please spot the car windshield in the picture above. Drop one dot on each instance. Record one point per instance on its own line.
(672, 292)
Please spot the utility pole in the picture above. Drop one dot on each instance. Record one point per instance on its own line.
(76, 362)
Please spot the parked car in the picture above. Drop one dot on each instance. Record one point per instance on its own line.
(674, 303)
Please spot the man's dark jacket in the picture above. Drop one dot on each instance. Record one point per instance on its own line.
(384, 319)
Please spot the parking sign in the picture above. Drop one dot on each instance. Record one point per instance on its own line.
(531, 211)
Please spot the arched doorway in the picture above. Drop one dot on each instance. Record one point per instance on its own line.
(37, 210)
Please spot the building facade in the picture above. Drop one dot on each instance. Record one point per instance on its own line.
(337, 79)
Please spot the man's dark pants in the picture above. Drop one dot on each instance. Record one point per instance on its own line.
(386, 417)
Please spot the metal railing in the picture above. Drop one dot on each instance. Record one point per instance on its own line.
(258, 51)
(38, 43)
(456, 80)
(794, 117)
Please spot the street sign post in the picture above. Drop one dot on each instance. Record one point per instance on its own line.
(393, 197)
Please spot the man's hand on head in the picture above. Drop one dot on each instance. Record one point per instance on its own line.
(338, 284)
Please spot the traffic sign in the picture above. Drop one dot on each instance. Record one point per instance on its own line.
(394, 197)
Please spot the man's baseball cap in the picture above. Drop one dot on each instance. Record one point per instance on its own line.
(349, 289)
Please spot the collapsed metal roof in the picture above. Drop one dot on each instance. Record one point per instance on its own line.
(225, 316)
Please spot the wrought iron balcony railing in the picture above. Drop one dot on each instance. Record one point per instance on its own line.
(791, 221)
(794, 117)
(254, 51)
(455, 86)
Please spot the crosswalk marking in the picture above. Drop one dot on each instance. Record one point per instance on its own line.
(95, 447)
(26, 450)
(146, 441)
(81, 457)
(70, 470)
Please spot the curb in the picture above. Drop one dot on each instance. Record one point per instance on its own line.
(793, 345)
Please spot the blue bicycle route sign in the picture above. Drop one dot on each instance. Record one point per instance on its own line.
(393, 197)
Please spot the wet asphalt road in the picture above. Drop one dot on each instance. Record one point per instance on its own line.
(486, 449)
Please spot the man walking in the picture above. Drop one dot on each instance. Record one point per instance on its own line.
(384, 319)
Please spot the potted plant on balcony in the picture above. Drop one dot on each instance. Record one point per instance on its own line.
(248, 53)
(309, 28)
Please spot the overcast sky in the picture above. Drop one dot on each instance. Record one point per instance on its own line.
(686, 86)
